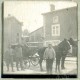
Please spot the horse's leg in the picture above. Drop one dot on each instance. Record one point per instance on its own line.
(40, 62)
(62, 61)
(59, 66)
(56, 66)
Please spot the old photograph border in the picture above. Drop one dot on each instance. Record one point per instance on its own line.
(32, 76)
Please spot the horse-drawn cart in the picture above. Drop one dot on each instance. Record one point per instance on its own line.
(31, 60)
(30, 56)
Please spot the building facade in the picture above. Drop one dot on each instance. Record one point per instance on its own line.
(12, 31)
(36, 38)
(60, 24)
(57, 25)
(36, 35)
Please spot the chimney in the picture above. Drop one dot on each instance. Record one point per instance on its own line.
(52, 7)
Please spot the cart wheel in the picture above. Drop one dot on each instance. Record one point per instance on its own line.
(35, 60)
(26, 63)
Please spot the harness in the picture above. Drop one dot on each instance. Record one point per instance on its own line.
(70, 50)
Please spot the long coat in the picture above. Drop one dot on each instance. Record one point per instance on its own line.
(8, 56)
(18, 52)
(49, 53)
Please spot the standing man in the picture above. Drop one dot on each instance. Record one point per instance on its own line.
(49, 55)
(19, 58)
(18, 53)
(9, 57)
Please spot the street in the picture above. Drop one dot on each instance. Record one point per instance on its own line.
(70, 68)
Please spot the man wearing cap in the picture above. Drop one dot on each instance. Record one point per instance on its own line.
(49, 55)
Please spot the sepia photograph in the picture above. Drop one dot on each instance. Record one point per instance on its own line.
(40, 38)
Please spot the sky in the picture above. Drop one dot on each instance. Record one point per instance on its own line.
(30, 12)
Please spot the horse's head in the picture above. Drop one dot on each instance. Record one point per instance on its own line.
(64, 45)
(72, 42)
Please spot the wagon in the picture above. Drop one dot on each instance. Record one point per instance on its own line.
(30, 56)
(31, 60)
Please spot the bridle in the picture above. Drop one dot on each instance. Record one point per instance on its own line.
(70, 50)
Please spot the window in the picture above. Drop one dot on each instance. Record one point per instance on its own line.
(56, 30)
(55, 19)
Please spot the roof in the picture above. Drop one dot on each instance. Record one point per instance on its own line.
(13, 18)
(36, 30)
(59, 10)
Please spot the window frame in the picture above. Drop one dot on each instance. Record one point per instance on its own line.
(54, 26)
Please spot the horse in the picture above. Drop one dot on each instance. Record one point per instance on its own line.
(73, 43)
(61, 51)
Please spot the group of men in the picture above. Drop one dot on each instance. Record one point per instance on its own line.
(49, 55)
(9, 55)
